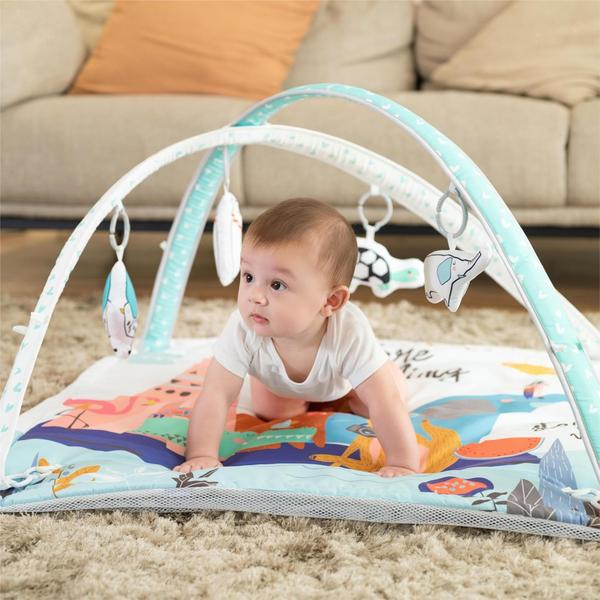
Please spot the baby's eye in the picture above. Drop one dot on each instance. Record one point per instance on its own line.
(277, 285)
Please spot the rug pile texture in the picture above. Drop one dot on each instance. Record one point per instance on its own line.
(240, 555)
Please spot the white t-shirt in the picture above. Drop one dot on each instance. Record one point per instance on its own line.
(349, 353)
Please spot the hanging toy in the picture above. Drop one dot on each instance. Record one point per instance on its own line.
(227, 232)
(119, 304)
(375, 267)
(449, 272)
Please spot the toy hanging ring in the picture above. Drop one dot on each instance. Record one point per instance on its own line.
(373, 193)
(438, 214)
(119, 248)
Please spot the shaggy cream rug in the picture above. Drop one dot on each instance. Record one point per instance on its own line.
(240, 555)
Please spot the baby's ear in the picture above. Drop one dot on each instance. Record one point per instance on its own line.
(336, 300)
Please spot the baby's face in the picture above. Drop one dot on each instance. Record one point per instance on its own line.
(284, 286)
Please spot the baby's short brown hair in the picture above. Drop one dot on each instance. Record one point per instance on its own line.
(302, 220)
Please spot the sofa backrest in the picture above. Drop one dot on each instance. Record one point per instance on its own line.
(28, 30)
(367, 43)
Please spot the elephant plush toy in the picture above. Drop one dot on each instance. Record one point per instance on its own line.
(449, 272)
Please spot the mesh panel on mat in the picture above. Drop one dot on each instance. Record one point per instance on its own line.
(305, 505)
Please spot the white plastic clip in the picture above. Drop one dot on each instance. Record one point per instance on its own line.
(35, 318)
(163, 245)
(40, 472)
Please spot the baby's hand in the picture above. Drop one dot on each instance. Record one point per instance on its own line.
(198, 462)
(391, 471)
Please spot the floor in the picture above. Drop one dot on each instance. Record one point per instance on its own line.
(27, 257)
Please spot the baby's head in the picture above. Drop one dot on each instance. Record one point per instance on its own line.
(298, 259)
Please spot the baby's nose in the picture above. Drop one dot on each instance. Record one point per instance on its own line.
(257, 298)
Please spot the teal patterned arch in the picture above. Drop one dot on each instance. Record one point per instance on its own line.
(541, 299)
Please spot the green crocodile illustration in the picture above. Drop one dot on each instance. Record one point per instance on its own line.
(175, 430)
(169, 428)
(233, 441)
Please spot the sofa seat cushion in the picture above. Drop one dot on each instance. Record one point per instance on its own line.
(562, 216)
(68, 150)
(519, 143)
(584, 155)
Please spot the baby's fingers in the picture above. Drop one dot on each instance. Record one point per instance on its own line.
(183, 468)
(195, 465)
(391, 471)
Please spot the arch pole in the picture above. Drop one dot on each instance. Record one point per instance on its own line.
(20, 375)
(15, 387)
(539, 296)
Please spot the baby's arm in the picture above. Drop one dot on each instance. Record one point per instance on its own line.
(389, 415)
(207, 423)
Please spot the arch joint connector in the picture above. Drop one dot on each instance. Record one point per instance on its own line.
(35, 318)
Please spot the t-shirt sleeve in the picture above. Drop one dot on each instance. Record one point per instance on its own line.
(360, 354)
(231, 349)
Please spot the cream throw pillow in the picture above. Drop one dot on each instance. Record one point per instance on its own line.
(91, 16)
(27, 68)
(445, 26)
(543, 48)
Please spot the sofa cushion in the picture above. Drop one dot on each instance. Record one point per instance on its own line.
(63, 153)
(364, 43)
(562, 216)
(444, 26)
(91, 18)
(584, 155)
(554, 52)
(67, 151)
(27, 68)
(236, 48)
(519, 143)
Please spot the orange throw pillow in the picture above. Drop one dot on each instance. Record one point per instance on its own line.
(241, 48)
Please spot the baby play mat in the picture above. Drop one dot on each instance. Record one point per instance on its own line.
(510, 438)
(499, 439)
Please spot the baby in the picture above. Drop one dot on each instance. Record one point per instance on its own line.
(299, 339)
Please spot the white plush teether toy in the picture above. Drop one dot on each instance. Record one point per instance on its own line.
(119, 303)
(449, 272)
(375, 267)
(227, 233)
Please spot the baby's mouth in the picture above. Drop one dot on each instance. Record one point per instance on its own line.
(258, 319)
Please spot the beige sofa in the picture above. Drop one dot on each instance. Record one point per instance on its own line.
(61, 152)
